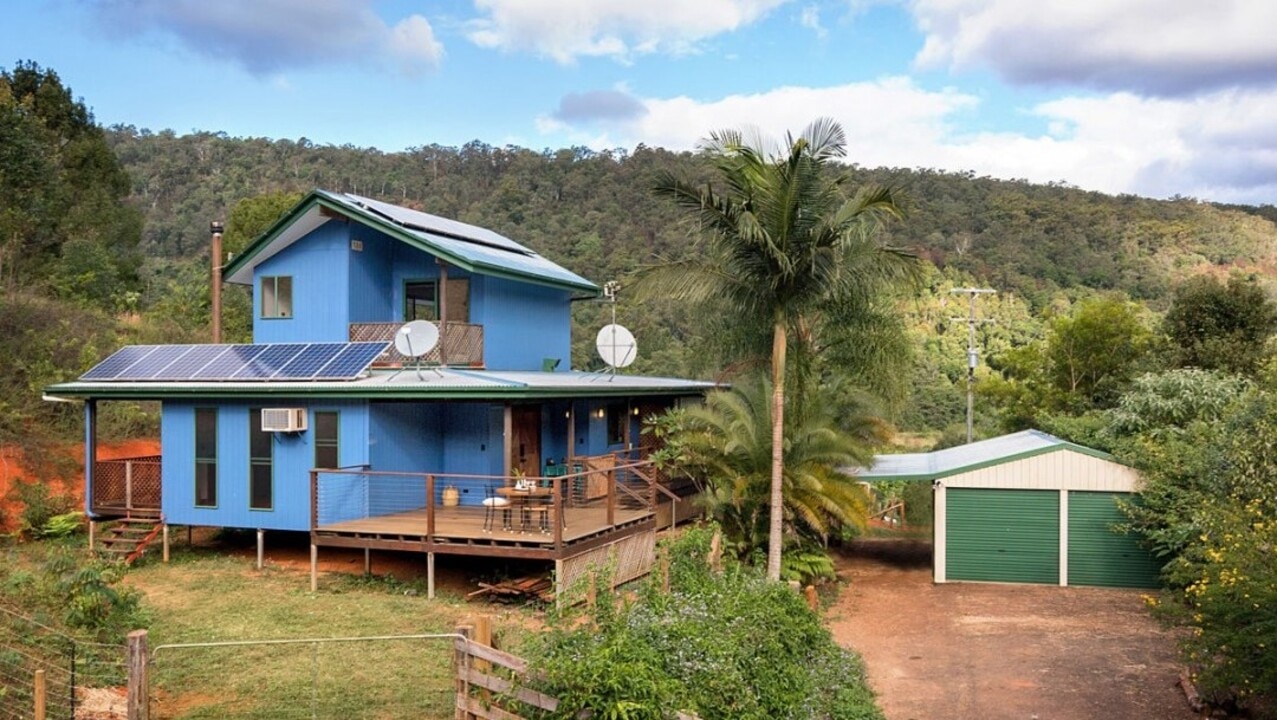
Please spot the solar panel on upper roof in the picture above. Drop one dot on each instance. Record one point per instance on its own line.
(351, 361)
(229, 362)
(191, 362)
(265, 365)
(426, 222)
(112, 366)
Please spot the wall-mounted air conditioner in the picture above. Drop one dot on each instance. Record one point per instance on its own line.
(283, 419)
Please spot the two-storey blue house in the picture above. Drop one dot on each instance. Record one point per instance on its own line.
(494, 447)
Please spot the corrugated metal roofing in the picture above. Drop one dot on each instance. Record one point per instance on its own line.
(939, 463)
(471, 247)
(430, 383)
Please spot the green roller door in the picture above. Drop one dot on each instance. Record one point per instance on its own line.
(1002, 535)
(1099, 556)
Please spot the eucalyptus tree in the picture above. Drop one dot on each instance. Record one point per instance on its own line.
(781, 240)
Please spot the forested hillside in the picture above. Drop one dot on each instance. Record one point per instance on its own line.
(120, 243)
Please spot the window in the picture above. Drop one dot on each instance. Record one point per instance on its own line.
(261, 463)
(277, 297)
(421, 301)
(618, 424)
(326, 454)
(206, 457)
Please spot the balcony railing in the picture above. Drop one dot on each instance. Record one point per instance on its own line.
(126, 485)
(598, 499)
(459, 344)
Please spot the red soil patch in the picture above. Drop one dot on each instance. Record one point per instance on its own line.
(15, 468)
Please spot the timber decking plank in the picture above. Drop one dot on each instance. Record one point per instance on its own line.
(459, 524)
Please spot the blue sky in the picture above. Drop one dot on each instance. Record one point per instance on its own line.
(1152, 97)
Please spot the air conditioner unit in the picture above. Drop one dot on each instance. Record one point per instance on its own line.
(283, 419)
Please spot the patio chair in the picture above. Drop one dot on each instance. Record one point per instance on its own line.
(491, 503)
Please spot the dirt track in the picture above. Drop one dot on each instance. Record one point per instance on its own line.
(986, 652)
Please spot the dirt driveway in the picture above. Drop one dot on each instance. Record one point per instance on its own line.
(987, 652)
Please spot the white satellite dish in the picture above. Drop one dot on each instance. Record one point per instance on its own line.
(416, 338)
(616, 346)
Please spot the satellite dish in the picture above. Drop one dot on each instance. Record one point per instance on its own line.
(416, 338)
(616, 346)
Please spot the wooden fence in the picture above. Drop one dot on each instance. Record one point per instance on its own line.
(488, 680)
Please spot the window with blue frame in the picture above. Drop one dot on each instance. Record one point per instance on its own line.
(206, 457)
(277, 296)
(325, 436)
(261, 463)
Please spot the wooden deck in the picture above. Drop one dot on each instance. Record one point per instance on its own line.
(460, 530)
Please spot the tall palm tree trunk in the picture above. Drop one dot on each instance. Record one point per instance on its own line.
(776, 519)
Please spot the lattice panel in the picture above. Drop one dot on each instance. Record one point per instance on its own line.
(463, 342)
(127, 484)
(626, 560)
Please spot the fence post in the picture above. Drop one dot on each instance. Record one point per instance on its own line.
(128, 484)
(40, 698)
(461, 661)
(138, 686)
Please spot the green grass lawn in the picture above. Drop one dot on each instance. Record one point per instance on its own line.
(206, 596)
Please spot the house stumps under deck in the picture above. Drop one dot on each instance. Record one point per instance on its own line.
(603, 516)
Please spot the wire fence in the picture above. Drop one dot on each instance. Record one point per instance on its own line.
(76, 674)
(390, 676)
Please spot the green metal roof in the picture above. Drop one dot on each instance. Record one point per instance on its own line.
(468, 247)
(440, 384)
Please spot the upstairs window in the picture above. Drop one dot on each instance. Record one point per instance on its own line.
(277, 296)
(421, 301)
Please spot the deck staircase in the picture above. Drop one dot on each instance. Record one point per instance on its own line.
(129, 537)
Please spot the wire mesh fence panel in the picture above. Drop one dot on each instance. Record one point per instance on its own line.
(376, 677)
(28, 646)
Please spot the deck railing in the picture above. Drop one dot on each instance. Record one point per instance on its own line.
(460, 344)
(602, 496)
(126, 485)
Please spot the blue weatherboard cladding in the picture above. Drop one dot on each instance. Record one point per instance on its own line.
(523, 324)
(321, 301)
(294, 455)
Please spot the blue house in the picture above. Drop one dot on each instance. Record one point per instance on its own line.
(487, 445)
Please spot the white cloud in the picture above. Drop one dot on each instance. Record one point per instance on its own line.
(567, 29)
(1153, 47)
(809, 17)
(412, 42)
(268, 36)
(1219, 146)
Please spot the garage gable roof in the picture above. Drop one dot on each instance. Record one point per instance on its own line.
(965, 458)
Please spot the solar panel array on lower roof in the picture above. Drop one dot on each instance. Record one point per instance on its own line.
(238, 363)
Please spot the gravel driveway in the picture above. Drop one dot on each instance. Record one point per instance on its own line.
(987, 652)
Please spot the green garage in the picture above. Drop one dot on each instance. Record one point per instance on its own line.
(1027, 508)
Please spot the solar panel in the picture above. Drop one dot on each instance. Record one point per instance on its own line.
(195, 359)
(264, 366)
(309, 361)
(351, 361)
(228, 363)
(243, 363)
(154, 362)
(109, 368)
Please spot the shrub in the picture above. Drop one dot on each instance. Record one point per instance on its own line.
(39, 505)
(723, 644)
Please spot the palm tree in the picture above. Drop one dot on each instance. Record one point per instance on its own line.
(783, 239)
(727, 442)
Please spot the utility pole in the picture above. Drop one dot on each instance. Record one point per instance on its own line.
(973, 353)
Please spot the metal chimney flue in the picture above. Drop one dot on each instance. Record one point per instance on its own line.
(216, 228)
